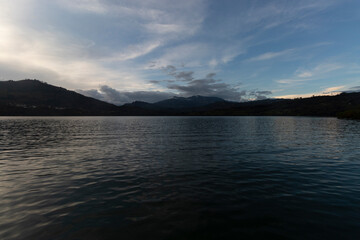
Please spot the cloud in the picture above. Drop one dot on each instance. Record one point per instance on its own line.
(288, 54)
(134, 51)
(201, 54)
(333, 89)
(271, 55)
(160, 28)
(259, 95)
(186, 76)
(208, 87)
(291, 81)
(111, 95)
(186, 85)
(247, 16)
(304, 75)
(94, 6)
(318, 70)
(156, 17)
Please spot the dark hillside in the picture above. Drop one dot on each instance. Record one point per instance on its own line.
(35, 98)
(32, 97)
(324, 106)
(190, 102)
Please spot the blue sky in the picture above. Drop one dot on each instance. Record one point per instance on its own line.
(127, 50)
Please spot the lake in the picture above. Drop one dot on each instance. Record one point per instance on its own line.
(179, 178)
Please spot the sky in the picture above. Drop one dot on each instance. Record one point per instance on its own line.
(149, 50)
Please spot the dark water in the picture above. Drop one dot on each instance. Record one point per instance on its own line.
(179, 178)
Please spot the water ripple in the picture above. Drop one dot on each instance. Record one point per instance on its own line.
(179, 178)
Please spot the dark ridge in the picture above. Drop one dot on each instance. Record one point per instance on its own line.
(33, 97)
(190, 102)
(345, 105)
(36, 98)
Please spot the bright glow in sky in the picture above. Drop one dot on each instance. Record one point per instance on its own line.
(118, 50)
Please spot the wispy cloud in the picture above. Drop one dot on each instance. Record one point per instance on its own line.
(333, 89)
(271, 55)
(318, 70)
(94, 6)
(260, 17)
(160, 28)
(134, 51)
(290, 81)
(198, 54)
(304, 75)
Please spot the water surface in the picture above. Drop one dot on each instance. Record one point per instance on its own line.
(179, 178)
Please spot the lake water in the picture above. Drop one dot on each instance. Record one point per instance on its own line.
(179, 178)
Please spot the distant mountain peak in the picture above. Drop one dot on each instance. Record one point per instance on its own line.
(188, 102)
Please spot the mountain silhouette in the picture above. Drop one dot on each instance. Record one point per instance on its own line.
(190, 102)
(36, 98)
(33, 97)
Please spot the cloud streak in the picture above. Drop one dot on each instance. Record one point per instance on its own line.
(318, 70)
(302, 75)
(271, 55)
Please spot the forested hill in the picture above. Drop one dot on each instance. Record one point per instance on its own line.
(33, 97)
(345, 105)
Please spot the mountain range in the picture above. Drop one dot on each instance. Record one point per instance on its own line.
(36, 98)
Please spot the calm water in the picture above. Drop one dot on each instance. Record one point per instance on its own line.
(179, 178)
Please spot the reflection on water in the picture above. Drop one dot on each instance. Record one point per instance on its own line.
(179, 178)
